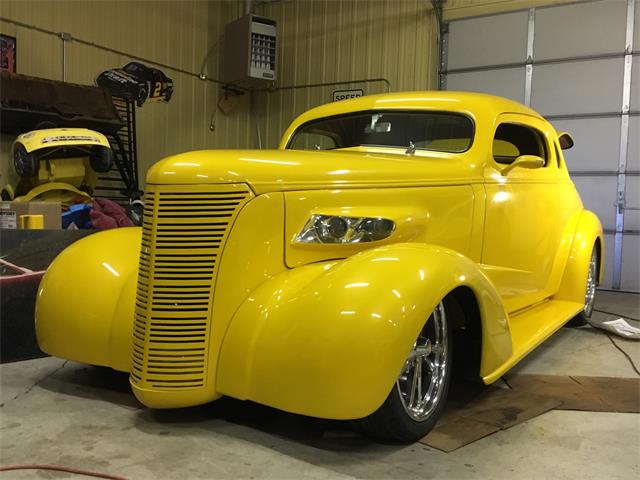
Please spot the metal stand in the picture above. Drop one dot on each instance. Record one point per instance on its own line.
(121, 183)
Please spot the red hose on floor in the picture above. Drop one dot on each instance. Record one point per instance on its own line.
(59, 468)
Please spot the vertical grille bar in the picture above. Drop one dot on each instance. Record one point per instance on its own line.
(184, 231)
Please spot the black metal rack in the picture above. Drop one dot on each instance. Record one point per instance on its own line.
(121, 183)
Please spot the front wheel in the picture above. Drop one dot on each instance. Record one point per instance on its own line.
(417, 398)
(26, 164)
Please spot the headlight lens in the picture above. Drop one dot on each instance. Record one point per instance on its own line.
(335, 229)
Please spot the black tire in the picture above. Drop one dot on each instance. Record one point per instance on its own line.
(581, 319)
(143, 94)
(392, 421)
(26, 164)
(7, 194)
(101, 159)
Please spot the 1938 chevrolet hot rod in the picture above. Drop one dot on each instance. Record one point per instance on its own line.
(343, 275)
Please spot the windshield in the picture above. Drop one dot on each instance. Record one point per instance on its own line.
(440, 131)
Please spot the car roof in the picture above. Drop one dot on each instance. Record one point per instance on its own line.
(482, 106)
(436, 100)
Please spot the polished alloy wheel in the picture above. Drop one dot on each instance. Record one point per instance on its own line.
(422, 380)
(592, 282)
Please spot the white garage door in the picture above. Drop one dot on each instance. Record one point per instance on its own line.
(579, 66)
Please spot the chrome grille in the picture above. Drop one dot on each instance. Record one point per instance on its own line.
(183, 235)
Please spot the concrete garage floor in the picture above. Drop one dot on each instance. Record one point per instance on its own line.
(55, 412)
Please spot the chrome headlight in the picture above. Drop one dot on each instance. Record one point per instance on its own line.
(337, 229)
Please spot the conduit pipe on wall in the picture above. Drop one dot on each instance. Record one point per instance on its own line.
(441, 38)
(66, 37)
(329, 84)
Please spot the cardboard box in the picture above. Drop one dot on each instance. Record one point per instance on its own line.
(10, 214)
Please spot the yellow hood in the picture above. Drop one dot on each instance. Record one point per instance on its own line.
(282, 170)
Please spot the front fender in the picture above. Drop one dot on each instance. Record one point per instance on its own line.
(328, 340)
(84, 308)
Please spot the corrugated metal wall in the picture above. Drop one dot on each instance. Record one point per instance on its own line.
(176, 33)
(339, 40)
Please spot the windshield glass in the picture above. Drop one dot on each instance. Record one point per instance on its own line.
(440, 131)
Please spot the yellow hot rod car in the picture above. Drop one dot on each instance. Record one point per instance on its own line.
(389, 240)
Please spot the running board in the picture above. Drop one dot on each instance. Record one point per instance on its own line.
(530, 327)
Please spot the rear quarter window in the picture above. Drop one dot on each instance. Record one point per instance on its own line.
(512, 140)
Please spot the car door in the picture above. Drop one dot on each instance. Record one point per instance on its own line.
(527, 212)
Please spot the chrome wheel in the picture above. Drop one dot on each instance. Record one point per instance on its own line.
(592, 282)
(422, 380)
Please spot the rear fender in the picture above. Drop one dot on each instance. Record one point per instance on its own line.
(574, 280)
(84, 309)
(329, 340)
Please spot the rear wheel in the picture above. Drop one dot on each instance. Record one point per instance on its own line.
(141, 97)
(590, 293)
(101, 159)
(417, 398)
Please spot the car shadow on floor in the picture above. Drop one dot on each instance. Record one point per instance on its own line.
(243, 420)
(95, 383)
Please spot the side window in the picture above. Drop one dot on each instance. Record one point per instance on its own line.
(512, 140)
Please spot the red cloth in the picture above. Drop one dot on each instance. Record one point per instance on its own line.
(106, 214)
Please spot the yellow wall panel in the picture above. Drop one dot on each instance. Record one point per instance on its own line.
(343, 40)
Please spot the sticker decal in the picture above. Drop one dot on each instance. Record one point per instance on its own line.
(8, 219)
(70, 138)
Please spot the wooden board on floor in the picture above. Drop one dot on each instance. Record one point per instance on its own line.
(590, 394)
(476, 411)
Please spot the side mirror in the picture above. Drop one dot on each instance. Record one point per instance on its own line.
(524, 161)
(566, 141)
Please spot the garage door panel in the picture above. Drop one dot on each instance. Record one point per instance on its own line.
(575, 30)
(635, 84)
(597, 143)
(506, 82)
(608, 262)
(497, 40)
(631, 263)
(633, 151)
(599, 195)
(636, 27)
(631, 218)
(577, 87)
(632, 199)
